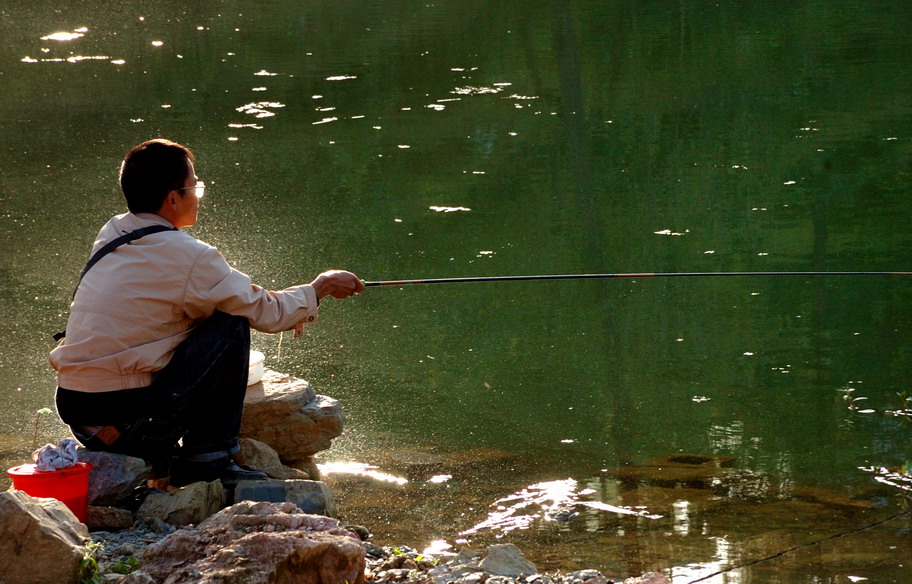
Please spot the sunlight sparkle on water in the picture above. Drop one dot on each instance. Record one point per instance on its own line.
(890, 477)
(361, 469)
(695, 571)
(438, 547)
(260, 109)
(441, 209)
(544, 501)
(473, 90)
(66, 36)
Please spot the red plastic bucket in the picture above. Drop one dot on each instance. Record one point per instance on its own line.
(68, 485)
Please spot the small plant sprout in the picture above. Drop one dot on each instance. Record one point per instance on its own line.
(88, 571)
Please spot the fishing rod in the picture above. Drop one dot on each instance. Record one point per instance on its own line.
(627, 275)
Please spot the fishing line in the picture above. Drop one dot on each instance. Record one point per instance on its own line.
(802, 546)
(630, 275)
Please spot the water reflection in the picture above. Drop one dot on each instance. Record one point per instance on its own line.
(360, 469)
(588, 136)
(549, 501)
(699, 518)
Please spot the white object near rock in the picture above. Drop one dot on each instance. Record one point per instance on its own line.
(40, 540)
(255, 368)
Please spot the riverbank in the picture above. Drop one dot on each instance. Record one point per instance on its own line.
(116, 557)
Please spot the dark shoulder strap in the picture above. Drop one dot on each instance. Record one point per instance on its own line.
(111, 246)
(115, 243)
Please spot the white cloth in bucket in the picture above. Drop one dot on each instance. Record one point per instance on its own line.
(50, 457)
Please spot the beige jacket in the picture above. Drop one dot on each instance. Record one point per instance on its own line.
(141, 300)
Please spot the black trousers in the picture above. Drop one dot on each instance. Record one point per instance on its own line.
(192, 409)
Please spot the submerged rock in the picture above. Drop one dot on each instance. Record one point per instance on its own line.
(691, 470)
(831, 499)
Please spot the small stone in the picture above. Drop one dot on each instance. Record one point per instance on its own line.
(473, 578)
(374, 551)
(466, 556)
(649, 578)
(409, 564)
(138, 577)
(582, 576)
(362, 532)
(108, 518)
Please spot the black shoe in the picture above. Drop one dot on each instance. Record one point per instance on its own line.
(185, 472)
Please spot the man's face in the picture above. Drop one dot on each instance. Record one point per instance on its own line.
(188, 203)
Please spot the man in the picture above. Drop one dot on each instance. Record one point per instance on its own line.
(154, 362)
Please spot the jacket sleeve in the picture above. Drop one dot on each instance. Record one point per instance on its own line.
(214, 285)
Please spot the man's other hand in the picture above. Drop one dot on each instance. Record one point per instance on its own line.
(337, 283)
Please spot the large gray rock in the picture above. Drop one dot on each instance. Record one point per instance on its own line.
(506, 560)
(40, 540)
(184, 506)
(285, 413)
(113, 476)
(258, 543)
(311, 497)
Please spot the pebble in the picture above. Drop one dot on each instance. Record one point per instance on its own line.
(115, 548)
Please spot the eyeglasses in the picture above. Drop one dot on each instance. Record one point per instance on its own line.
(199, 189)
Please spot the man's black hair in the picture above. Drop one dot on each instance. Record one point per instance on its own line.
(152, 170)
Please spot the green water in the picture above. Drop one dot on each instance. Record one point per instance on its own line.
(467, 138)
